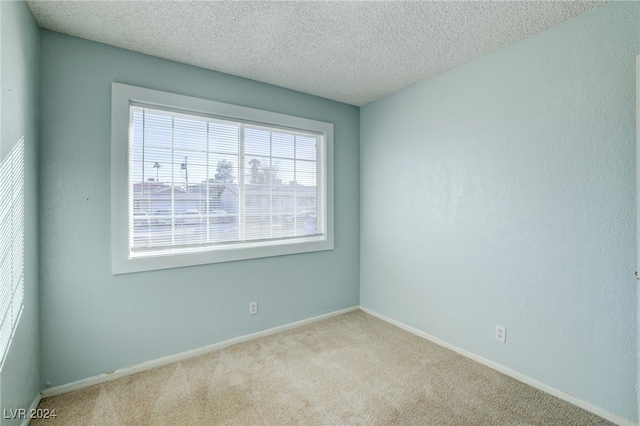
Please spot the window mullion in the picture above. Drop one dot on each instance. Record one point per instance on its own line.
(295, 179)
(208, 186)
(320, 179)
(173, 182)
(241, 187)
(270, 184)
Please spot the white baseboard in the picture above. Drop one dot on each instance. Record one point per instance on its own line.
(102, 378)
(502, 369)
(116, 374)
(32, 407)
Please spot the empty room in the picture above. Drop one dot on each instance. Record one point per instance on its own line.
(318, 213)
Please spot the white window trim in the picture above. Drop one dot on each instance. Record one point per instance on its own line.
(121, 262)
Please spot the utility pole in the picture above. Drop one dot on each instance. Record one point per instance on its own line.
(157, 167)
(186, 171)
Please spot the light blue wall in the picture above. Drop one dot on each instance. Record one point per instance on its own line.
(19, 381)
(94, 322)
(503, 192)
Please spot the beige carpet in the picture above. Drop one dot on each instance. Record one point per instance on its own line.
(348, 370)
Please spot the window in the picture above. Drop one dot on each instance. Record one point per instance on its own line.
(196, 181)
(11, 244)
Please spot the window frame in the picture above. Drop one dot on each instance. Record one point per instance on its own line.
(122, 96)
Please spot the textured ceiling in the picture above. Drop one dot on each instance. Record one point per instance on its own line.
(353, 52)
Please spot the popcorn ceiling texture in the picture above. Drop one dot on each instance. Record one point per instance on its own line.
(352, 52)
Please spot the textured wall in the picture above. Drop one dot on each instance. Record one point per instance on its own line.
(19, 380)
(94, 322)
(503, 192)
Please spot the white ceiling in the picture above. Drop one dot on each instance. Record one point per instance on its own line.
(351, 51)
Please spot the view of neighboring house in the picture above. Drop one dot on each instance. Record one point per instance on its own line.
(277, 200)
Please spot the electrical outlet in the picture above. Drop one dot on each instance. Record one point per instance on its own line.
(501, 334)
(253, 308)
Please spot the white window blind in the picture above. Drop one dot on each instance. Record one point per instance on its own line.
(200, 182)
(11, 244)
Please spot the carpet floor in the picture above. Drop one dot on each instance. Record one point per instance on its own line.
(352, 369)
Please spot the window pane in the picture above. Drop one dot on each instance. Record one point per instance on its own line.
(306, 173)
(257, 142)
(191, 187)
(224, 137)
(190, 134)
(283, 145)
(286, 171)
(306, 148)
(260, 170)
